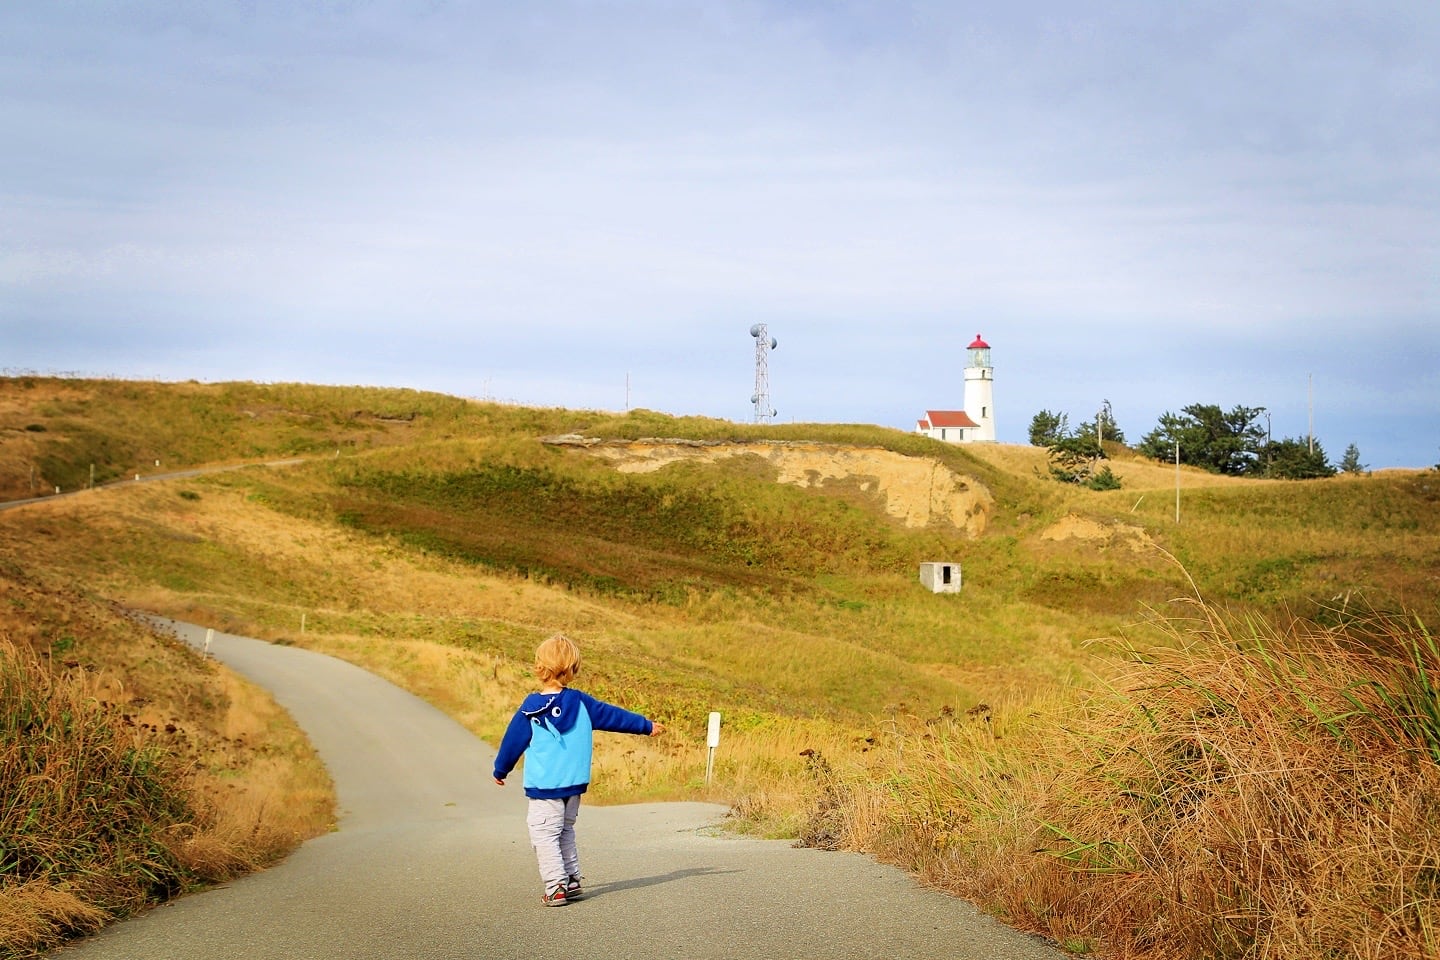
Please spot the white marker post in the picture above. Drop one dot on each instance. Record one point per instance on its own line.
(209, 635)
(712, 740)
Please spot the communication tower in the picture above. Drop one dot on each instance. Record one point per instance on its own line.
(764, 343)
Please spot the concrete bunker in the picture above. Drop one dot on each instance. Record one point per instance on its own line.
(941, 576)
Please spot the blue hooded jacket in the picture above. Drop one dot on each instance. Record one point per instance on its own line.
(554, 732)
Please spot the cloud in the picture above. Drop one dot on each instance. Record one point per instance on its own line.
(553, 196)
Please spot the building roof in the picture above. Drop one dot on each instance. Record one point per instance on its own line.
(978, 344)
(948, 418)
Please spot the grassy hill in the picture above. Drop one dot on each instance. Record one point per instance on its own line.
(436, 540)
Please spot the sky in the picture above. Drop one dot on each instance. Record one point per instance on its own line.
(588, 204)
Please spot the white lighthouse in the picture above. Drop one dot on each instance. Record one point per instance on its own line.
(976, 423)
(980, 391)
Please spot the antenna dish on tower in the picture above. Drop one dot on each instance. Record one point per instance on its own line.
(764, 343)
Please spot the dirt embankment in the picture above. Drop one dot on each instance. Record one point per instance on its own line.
(916, 491)
(1093, 533)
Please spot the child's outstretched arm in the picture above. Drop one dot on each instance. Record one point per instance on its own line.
(608, 717)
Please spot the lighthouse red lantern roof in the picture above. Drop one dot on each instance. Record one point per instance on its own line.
(978, 344)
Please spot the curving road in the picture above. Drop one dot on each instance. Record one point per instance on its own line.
(431, 862)
(151, 478)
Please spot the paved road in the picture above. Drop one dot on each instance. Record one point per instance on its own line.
(143, 478)
(431, 862)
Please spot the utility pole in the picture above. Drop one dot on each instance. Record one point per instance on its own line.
(1177, 481)
(1312, 414)
(1269, 446)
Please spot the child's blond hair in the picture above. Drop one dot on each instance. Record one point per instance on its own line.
(557, 660)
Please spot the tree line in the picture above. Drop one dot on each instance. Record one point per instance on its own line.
(1231, 442)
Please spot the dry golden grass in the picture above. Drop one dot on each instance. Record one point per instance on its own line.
(1252, 790)
(1136, 473)
(1030, 806)
(404, 600)
(369, 601)
(38, 913)
(130, 768)
(341, 573)
(259, 788)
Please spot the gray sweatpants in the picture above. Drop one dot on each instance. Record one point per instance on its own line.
(552, 834)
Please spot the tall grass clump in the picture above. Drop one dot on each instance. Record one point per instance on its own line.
(1252, 789)
(85, 809)
(130, 768)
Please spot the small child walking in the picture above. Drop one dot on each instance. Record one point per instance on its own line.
(553, 729)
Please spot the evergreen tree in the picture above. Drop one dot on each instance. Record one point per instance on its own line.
(1294, 460)
(1103, 479)
(1101, 427)
(1047, 427)
(1104, 424)
(1228, 442)
(1111, 432)
(1076, 459)
(1350, 463)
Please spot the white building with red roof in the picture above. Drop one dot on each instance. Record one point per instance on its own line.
(952, 426)
(976, 423)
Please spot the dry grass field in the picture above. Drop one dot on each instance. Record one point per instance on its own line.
(1137, 736)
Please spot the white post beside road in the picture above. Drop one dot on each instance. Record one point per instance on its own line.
(209, 635)
(712, 740)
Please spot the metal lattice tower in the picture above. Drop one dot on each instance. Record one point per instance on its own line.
(764, 343)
